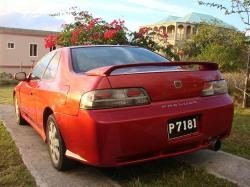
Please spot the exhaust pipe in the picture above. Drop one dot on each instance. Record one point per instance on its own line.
(215, 145)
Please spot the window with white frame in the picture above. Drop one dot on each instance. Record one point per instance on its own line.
(33, 50)
(11, 45)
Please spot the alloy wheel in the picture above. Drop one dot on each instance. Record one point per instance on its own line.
(54, 143)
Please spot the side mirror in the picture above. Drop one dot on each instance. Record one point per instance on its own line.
(20, 76)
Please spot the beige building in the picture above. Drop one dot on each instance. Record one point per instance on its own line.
(178, 32)
(180, 29)
(21, 48)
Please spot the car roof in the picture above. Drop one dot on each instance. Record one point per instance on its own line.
(81, 46)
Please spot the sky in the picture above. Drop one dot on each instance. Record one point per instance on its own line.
(35, 14)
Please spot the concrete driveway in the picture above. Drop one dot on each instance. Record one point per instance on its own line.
(35, 156)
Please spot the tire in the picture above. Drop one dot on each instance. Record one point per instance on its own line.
(56, 146)
(19, 119)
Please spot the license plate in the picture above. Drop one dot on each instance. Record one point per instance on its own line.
(182, 126)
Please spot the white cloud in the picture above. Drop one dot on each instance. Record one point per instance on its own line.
(158, 5)
(50, 6)
(34, 6)
(115, 7)
(31, 21)
(143, 11)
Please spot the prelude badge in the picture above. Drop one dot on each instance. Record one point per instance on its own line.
(177, 84)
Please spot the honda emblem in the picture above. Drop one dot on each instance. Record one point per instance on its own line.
(177, 84)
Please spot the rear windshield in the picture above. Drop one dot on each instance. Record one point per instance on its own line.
(87, 58)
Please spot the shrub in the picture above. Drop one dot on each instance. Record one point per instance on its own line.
(227, 57)
(235, 83)
(6, 76)
(7, 79)
(8, 82)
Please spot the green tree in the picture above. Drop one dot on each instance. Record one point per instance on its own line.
(242, 9)
(221, 45)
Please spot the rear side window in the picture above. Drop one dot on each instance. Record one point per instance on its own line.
(41, 65)
(51, 70)
(87, 58)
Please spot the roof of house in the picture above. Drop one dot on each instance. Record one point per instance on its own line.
(195, 17)
(170, 18)
(30, 32)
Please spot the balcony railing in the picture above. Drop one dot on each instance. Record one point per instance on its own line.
(180, 36)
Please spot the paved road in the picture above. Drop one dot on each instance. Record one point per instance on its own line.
(35, 156)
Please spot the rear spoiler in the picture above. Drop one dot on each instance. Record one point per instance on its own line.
(105, 71)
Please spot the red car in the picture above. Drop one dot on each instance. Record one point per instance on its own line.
(117, 105)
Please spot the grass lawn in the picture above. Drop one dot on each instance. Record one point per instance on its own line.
(12, 170)
(6, 93)
(163, 173)
(239, 141)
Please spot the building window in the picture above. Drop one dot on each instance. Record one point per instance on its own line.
(11, 45)
(33, 50)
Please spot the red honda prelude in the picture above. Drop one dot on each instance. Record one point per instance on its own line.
(110, 106)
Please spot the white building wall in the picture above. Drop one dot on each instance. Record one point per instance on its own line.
(12, 59)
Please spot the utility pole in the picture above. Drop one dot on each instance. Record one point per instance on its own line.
(244, 104)
(246, 83)
(21, 66)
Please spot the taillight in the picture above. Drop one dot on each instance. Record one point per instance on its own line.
(114, 98)
(214, 88)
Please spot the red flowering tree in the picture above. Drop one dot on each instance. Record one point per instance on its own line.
(155, 40)
(87, 30)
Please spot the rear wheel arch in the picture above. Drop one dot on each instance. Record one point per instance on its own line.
(47, 112)
(57, 150)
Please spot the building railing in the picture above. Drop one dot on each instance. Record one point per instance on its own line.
(180, 36)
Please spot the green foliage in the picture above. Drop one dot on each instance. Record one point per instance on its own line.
(226, 57)
(227, 47)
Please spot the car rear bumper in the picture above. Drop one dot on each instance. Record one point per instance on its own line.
(115, 137)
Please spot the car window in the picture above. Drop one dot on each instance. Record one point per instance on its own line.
(87, 58)
(51, 70)
(41, 65)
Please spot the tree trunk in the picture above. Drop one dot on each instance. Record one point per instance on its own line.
(244, 104)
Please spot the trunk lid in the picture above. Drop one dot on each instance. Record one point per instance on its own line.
(163, 82)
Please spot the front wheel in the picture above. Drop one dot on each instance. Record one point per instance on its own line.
(56, 146)
(19, 118)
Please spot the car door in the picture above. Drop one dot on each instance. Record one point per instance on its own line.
(28, 88)
(46, 89)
